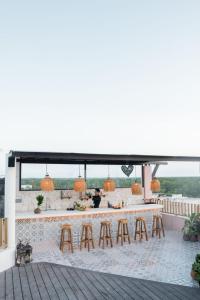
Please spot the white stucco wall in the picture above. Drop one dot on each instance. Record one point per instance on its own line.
(54, 201)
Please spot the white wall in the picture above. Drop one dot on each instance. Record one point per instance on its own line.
(54, 201)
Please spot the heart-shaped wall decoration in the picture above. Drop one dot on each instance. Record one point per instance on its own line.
(127, 170)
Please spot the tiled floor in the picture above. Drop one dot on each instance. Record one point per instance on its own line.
(167, 260)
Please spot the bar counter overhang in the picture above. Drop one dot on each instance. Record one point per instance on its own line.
(47, 225)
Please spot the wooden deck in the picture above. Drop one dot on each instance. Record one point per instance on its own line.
(49, 281)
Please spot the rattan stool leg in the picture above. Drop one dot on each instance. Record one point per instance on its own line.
(118, 232)
(163, 231)
(100, 236)
(136, 224)
(82, 234)
(145, 230)
(111, 244)
(92, 237)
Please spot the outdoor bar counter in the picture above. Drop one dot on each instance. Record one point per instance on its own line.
(46, 225)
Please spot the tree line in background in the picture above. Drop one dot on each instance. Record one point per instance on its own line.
(187, 186)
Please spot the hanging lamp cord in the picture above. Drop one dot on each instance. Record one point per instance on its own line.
(108, 171)
(135, 175)
(46, 171)
(79, 171)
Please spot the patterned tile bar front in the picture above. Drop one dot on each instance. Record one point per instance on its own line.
(47, 226)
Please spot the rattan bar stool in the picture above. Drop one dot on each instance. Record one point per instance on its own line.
(122, 231)
(105, 233)
(140, 228)
(66, 229)
(157, 226)
(87, 236)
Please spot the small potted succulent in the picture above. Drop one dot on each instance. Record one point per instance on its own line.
(39, 199)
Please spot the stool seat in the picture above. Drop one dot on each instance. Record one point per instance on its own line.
(66, 225)
(105, 233)
(123, 232)
(140, 219)
(140, 228)
(124, 221)
(66, 229)
(106, 222)
(86, 236)
(87, 224)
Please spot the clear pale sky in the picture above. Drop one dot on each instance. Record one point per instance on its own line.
(101, 76)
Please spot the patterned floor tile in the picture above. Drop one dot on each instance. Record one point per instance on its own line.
(167, 260)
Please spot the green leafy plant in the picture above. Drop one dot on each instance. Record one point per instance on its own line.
(197, 258)
(196, 269)
(39, 199)
(191, 228)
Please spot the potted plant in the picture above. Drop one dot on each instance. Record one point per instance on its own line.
(197, 225)
(195, 273)
(197, 258)
(191, 229)
(39, 199)
(186, 232)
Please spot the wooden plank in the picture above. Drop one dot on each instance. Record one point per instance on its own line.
(159, 290)
(116, 284)
(155, 291)
(40, 283)
(24, 284)
(48, 284)
(181, 292)
(93, 285)
(138, 293)
(64, 283)
(32, 283)
(9, 285)
(56, 284)
(49, 281)
(73, 284)
(106, 285)
(90, 293)
(2, 285)
(17, 284)
(103, 287)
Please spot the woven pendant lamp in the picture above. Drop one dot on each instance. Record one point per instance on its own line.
(80, 184)
(155, 185)
(47, 184)
(109, 184)
(136, 187)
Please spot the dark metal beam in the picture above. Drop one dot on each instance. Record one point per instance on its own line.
(96, 159)
(155, 170)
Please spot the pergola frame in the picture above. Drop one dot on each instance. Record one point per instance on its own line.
(15, 158)
(90, 158)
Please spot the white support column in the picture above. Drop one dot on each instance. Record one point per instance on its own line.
(147, 177)
(7, 256)
(10, 197)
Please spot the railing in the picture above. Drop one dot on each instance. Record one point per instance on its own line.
(3, 233)
(179, 208)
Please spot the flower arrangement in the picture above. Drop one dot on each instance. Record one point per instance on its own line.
(79, 206)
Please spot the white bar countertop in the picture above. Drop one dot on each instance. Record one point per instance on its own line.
(92, 211)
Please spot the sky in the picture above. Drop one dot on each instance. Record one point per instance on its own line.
(101, 77)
